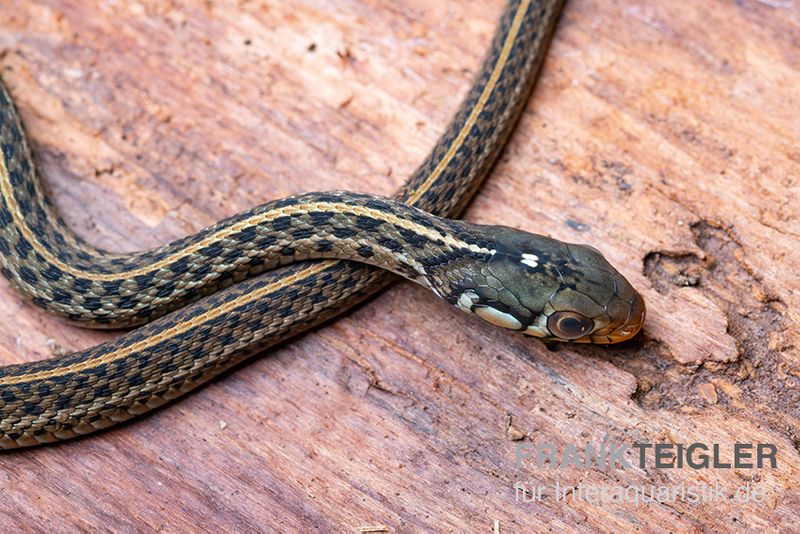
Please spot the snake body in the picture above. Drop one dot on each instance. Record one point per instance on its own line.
(208, 303)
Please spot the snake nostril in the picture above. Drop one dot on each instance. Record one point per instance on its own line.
(638, 310)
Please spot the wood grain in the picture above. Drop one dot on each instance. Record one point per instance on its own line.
(664, 133)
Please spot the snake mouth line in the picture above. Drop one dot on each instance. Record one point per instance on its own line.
(632, 325)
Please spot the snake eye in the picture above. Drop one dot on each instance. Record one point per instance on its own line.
(569, 325)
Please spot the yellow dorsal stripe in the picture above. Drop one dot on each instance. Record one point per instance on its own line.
(266, 218)
(478, 109)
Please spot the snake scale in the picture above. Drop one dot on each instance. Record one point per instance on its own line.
(210, 300)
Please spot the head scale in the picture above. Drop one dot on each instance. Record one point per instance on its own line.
(549, 289)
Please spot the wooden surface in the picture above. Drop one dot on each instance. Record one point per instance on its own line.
(664, 133)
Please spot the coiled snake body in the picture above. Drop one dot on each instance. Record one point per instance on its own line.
(200, 323)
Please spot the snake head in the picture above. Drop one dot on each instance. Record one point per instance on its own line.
(549, 289)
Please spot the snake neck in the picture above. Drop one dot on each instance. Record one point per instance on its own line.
(341, 225)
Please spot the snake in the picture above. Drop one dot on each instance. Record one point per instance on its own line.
(207, 302)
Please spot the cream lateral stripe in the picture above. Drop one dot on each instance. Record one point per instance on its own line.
(478, 109)
(244, 299)
(168, 333)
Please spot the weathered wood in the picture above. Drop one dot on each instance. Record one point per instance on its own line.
(664, 133)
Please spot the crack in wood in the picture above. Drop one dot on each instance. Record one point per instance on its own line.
(757, 379)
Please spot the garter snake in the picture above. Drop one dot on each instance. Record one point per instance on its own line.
(208, 302)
